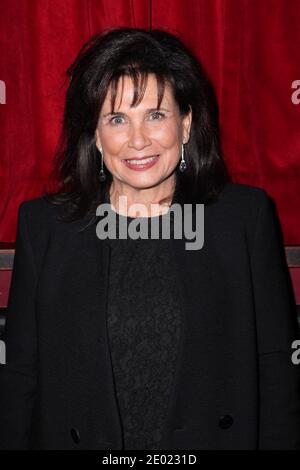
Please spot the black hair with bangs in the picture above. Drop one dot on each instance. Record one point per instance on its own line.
(100, 63)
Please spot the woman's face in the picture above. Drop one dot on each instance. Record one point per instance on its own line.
(140, 132)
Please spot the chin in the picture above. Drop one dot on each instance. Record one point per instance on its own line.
(143, 183)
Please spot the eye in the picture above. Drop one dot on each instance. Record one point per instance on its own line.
(158, 115)
(112, 120)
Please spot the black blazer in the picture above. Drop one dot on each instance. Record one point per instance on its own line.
(235, 385)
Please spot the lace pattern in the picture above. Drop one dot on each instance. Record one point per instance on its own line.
(144, 321)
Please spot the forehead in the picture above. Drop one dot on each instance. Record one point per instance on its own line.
(147, 88)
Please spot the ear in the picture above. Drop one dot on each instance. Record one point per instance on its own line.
(186, 125)
(97, 140)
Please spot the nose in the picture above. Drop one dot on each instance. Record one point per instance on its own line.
(138, 138)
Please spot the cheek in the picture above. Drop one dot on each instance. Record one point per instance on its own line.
(166, 135)
(113, 141)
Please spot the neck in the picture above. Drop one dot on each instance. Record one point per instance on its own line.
(154, 201)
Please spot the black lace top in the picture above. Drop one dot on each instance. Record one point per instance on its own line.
(144, 320)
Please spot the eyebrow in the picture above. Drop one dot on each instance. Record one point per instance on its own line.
(147, 111)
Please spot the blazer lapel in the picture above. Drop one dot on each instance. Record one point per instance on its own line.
(97, 253)
(197, 287)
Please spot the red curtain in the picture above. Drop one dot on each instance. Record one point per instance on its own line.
(250, 49)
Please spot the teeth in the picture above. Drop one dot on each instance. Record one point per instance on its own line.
(142, 161)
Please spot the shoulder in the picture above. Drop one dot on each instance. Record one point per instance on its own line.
(238, 212)
(239, 195)
(40, 212)
(39, 224)
(37, 215)
(242, 201)
(33, 223)
(36, 206)
(43, 219)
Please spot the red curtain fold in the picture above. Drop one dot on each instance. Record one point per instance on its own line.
(250, 49)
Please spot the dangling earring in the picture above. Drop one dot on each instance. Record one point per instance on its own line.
(102, 175)
(182, 166)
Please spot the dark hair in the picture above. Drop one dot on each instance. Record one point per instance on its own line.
(136, 52)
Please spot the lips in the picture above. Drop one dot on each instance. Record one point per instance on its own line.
(141, 163)
(141, 158)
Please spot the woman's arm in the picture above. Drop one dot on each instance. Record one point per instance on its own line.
(279, 420)
(18, 375)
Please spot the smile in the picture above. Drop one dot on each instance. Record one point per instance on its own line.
(141, 163)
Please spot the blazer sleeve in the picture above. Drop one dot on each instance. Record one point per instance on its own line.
(276, 321)
(18, 376)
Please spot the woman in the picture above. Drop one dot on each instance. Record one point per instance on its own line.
(128, 343)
